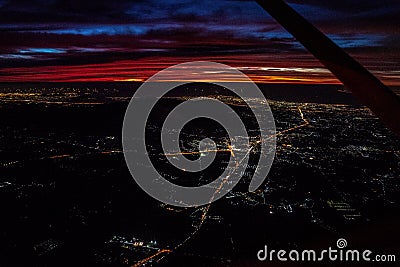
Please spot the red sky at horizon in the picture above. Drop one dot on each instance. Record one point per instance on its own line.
(56, 41)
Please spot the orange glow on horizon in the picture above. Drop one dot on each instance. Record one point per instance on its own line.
(305, 72)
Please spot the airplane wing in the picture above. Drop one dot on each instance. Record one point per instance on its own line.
(369, 90)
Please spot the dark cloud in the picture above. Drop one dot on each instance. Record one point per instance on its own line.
(350, 6)
(39, 11)
(355, 16)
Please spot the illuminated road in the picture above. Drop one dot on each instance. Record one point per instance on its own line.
(146, 260)
(305, 123)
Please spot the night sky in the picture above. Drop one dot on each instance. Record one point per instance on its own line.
(57, 40)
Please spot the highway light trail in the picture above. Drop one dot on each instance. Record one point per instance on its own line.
(304, 124)
(146, 260)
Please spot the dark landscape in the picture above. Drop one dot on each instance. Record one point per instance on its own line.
(67, 198)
